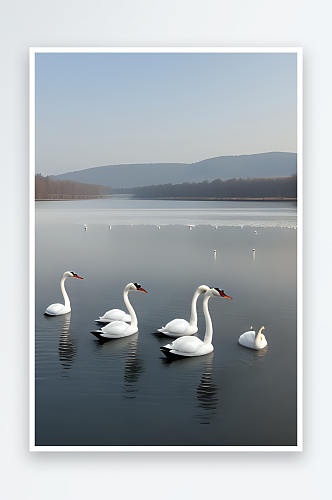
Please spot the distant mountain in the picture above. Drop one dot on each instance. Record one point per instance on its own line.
(222, 167)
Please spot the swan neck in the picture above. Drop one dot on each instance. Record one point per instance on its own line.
(258, 335)
(259, 332)
(130, 308)
(208, 322)
(64, 293)
(193, 314)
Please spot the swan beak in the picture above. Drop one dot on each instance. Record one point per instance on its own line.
(142, 290)
(79, 277)
(224, 295)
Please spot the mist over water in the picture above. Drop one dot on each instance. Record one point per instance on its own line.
(125, 392)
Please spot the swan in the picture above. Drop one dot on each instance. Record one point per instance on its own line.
(179, 327)
(253, 341)
(193, 346)
(116, 314)
(119, 329)
(57, 309)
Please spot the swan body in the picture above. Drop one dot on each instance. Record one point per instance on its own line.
(115, 314)
(58, 309)
(119, 329)
(252, 341)
(179, 327)
(193, 346)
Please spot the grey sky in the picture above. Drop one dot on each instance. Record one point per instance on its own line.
(96, 109)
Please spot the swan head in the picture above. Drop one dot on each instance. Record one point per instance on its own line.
(219, 293)
(136, 287)
(203, 288)
(71, 274)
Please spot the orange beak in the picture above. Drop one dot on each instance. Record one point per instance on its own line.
(142, 290)
(224, 295)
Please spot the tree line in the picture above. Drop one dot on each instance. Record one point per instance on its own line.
(276, 187)
(51, 189)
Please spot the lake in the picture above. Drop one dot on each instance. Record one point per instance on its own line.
(125, 392)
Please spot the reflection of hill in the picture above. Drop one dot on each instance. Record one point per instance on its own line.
(67, 348)
(207, 395)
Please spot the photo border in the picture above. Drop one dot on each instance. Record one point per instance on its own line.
(209, 50)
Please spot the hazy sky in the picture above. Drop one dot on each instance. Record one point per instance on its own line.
(103, 109)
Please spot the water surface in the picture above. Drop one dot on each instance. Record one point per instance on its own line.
(125, 392)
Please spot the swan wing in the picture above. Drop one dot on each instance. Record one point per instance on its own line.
(54, 309)
(114, 329)
(247, 339)
(115, 315)
(186, 344)
(178, 326)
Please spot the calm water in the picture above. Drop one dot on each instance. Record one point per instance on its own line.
(124, 392)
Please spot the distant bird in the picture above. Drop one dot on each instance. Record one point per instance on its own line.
(58, 309)
(180, 327)
(119, 329)
(255, 232)
(192, 346)
(85, 226)
(252, 341)
(109, 227)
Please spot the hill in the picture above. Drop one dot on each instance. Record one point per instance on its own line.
(275, 164)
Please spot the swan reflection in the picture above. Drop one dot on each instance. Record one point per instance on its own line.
(207, 394)
(261, 353)
(67, 347)
(124, 349)
(133, 368)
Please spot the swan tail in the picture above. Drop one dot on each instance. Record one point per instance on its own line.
(161, 330)
(97, 333)
(170, 355)
(165, 349)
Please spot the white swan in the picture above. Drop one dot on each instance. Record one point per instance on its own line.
(180, 327)
(115, 314)
(119, 329)
(193, 346)
(57, 309)
(253, 341)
